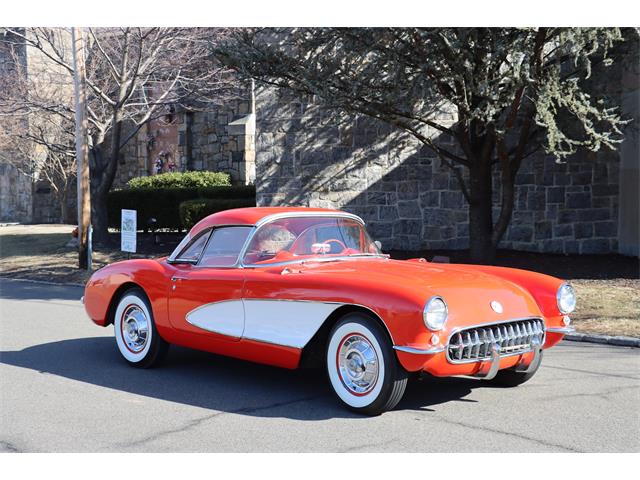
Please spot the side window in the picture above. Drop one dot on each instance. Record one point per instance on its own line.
(192, 252)
(224, 247)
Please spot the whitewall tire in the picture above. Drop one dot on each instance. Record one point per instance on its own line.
(136, 335)
(362, 367)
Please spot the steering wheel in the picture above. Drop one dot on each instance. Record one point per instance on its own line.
(339, 242)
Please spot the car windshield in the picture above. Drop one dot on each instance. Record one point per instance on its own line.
(296, 238)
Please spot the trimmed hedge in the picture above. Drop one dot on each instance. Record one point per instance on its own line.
(181, 180)
(192, 211)
(163, 203)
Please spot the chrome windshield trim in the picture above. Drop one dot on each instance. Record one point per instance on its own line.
(563, 330)
(419, 351)
(183, 243)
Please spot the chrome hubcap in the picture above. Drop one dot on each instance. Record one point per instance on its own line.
(358, 364)
(135, 328)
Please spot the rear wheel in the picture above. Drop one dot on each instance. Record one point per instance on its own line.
(135, 331)
(362, 367)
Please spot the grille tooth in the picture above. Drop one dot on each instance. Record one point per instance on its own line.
(475, 349)
(474, 344)
(505, 337)
(485, 341)
(467, 345)
(512, 336)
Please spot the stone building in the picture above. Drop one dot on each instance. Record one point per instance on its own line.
(15, 188)
(23, 198)
(222, 139)
(296, 153)
(586, 205)
(306, 156)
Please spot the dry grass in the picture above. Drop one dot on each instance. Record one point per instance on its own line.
(38, 252)
(610, 306)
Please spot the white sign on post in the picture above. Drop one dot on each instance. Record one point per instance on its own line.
(128, 228)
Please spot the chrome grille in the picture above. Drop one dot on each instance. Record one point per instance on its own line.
(513, 337)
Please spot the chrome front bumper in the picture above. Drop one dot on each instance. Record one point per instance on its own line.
(419, 351)
(562, 330)
(489, 368)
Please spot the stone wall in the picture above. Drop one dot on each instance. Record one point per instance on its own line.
(47, 208)
(15, 188)
(15, 195)
(306, 156)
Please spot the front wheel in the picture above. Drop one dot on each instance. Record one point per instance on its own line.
(362, 367)
(136, 335)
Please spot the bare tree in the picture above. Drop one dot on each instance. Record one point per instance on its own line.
(34, 150)
(134, 75)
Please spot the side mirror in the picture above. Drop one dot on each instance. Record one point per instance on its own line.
(378, 244)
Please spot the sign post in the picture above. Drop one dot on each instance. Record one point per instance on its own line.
(128, 229)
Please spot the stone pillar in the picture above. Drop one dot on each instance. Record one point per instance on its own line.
(244, 160)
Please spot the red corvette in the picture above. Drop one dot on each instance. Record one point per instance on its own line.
(293, 287)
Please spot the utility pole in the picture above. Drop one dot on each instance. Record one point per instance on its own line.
(82, 150)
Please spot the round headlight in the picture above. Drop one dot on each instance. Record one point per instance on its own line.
(566, 297)
(435, 313)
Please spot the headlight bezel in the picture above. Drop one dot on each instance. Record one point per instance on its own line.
(435, 300)
(560, 298)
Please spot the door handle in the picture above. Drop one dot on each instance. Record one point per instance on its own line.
(174, 279)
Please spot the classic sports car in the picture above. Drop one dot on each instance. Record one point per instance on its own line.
(296, 287)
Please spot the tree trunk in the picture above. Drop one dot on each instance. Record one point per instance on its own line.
(99, 217)
(99, 213)
(102, 176)
(64, 208)
(481, 246)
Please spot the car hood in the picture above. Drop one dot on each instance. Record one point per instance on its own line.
(468, 290)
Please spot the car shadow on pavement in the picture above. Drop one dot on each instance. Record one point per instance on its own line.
(214, 382)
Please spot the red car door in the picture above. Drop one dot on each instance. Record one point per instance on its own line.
(205, 296)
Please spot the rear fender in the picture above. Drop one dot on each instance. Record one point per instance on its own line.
(107, 284)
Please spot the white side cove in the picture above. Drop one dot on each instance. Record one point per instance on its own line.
(290, 323)
(226, 318)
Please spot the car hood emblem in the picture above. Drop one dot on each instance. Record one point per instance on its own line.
(496, 306)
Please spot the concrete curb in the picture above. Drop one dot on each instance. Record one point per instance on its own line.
(617, 340)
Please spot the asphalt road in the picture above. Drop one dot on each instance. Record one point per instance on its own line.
(63, 387)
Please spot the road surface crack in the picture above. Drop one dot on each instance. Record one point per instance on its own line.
(510, 434)
(200, 421)
(369, 445)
